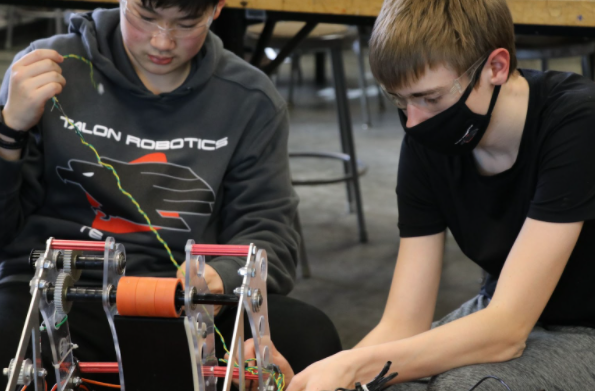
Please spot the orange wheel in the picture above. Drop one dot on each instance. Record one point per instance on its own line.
(145, 296)
(126, 296)
(148, 297)
(165, 298)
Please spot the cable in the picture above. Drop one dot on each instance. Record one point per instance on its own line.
(97, 383)
(377, 384)
(55, 387)
(84, 387)
(490, 377)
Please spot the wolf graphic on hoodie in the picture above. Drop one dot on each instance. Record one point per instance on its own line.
(207, 161)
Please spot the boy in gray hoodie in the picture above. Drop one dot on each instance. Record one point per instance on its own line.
(197, 136)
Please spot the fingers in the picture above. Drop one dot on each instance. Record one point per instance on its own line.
(25, 72)
(34, 79)
(249, 351)
(45, 79)
(40, 55)
(47, 92)
(214, 281)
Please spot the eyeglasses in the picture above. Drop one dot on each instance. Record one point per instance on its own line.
(147, 24)
(440, 99)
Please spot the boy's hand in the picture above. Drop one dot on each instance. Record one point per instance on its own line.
(275, 358)
(34, 79)
(212, 278)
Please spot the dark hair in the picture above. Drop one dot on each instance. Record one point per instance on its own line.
(192, 7)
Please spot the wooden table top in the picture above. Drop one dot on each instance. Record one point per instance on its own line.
(579, 13)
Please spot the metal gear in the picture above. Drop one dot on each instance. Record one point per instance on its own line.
(69, 264)
(10, 368)
(63, 306)
(25, 376)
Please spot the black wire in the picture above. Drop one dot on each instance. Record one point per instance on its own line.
(490, 377)
(377, 384)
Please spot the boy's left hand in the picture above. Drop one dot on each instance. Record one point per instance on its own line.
(275, 358)
(214, 281)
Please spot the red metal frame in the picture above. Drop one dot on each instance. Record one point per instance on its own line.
(82, 245)
(220, 250)
(112, 367)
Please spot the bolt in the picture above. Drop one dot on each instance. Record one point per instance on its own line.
(42, 373)
(257, 300)
(5, 371)
(121, 262)
(77, 381)
(42, 284)
(193, 306)
(242, 271)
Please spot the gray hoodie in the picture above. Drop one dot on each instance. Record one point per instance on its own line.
(207, 162)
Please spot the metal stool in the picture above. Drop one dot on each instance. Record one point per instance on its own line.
(331, 38)
(545, 48)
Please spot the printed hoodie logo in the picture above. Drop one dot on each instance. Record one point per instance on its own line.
(469, 135)
(166, 192)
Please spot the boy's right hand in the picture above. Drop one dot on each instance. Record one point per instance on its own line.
(34, 79)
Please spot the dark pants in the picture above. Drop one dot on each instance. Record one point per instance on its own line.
(302, 333)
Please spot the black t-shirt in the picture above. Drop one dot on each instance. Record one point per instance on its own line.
(553, 180)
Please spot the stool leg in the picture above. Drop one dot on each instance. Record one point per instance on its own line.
(381, 104)
(587, 67)
(358, 47)
(10, 15)
(319, 68)
(347, 135)
(59, 20)
(292, 73)
(344, 147)
(303, 255)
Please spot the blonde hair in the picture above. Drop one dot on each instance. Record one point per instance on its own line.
(412, 35)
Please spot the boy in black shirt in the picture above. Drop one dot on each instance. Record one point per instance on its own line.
(504, 159)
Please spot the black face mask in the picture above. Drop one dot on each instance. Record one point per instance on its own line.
(455, 131)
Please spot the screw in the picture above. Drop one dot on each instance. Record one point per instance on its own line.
(242, 271)
(257, 300)
(5, 371)
(120, 262)
(42, 284)
(77, 381)
(42, 373)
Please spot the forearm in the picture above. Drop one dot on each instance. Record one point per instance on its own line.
(482, 337)
(386, 332)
